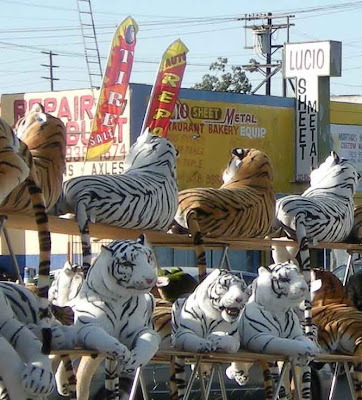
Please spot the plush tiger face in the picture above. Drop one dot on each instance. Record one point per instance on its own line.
(125, 267)
(280, 287)
(335, 171)
(226, 292)
(248, 164)
(151, 149)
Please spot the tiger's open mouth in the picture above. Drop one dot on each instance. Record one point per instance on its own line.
(232, 311)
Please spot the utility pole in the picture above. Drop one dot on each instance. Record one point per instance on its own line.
(50, 66)
(263, 28)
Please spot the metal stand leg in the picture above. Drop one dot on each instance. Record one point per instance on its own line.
(192, 379)
(296, 381)
(202, 383)
(350, 381)
(280, 380)
(225, 257)
(138, 378)
(12, 255)
(334, 381)
(209, 384)
(221, 382)
(349, 268)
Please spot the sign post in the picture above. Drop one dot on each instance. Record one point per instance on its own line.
(312, 64)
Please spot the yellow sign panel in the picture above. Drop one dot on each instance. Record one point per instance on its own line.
(205, 132)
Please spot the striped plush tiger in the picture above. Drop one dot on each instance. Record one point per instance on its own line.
(244, 206)
(269, 323)
(113, 310)
(25, 371)
(339, 322)
(207, 320)
(45, 137)
(323, 213)
(356, 232)
(21, 183)
(144, 196)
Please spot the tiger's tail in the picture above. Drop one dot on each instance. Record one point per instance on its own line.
(42, 222)
(306, 270)
(271, 372)
(66, 377)
(194, 229)
(83, 223)
(177, 378)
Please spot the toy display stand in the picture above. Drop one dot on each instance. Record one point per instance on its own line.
(217, 360)
(102, 231)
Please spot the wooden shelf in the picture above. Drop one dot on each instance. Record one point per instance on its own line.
(157, 238)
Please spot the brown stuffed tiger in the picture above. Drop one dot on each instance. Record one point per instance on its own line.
(339, 322)
(356, 233)
(45, 136)
(243, 207)
(28, 166)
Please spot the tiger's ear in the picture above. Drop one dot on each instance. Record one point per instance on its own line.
(315, 285)
(238, 152)
(106, 249)
(263, 271)
(145, 136)
(37, 107)
(142, 240)
(335, 156)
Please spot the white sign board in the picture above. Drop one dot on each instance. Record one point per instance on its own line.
(307, 63)
(347, 141)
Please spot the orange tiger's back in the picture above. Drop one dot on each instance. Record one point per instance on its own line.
(244, 206)
(339, 322)
(45, 137)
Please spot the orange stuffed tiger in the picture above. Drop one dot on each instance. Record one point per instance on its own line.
(244, 206)
(45, 137)
(339, 322)
(356, 233)
(31, 174)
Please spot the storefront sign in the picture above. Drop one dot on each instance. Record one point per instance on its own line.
(311, 64)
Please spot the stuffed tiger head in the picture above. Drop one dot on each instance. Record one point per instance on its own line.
(279, 287)
(249, 165)
(335, 174)
(151, 151)
(43, 133)
(123, 268)
(224, 292)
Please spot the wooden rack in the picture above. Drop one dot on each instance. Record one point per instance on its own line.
(102, 231)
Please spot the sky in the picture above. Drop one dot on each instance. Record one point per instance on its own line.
(29, 30)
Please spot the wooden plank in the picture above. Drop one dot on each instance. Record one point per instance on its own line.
(242, 356)
(157, 238)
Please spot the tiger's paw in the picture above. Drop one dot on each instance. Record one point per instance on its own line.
(38, 380)
(224, 343)
(206, 346)
(118, 352)
(58, 338)
(240, 376)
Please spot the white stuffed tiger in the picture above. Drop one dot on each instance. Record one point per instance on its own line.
(323, 213)
(144, 196)
(25, 371)
(113, 310)
(269, 323)
(208, 319)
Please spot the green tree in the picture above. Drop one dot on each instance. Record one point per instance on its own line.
(234, 81)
